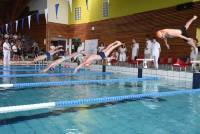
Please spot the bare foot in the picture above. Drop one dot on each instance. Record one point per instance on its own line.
(167, 46)
(195, 17)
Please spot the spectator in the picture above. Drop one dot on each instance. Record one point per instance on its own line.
(35, 48)
(20, 50)
(15, 52)
(81, 47)
(155, 51)
(122, 53)
(147, 50)
(100, 48)
(194, 55)
(6, 53)
(135, 49)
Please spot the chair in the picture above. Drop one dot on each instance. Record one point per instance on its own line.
(179, 63)
(113, 61)
(163, 61)
(132, 62)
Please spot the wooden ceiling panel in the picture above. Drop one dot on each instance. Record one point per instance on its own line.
(11, 10)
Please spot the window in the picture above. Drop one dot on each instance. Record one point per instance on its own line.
(77, 13)
(105, 8)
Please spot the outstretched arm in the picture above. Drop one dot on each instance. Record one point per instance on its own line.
(166, 43)
(80, 66)
(185, 38)
(59, 61)
(58, 47)
(54, 64)
(56, 51)
(39, 58)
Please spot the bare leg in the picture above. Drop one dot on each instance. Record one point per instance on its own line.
(192, 43)
(77, 68)
(87, 62)
(55, 63)
(109, 46)
(59, 61)
(107, 53)
(187, 25)
(56, 51)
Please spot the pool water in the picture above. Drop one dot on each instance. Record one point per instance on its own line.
(178, 114)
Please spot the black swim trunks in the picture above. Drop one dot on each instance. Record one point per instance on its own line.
(184, 31)
(102, 54)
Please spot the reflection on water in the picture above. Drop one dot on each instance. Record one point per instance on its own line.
(6, 80)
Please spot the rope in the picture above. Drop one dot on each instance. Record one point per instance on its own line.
(73, 103)
(54, 75)
(75, 82)
(37, 69)
(20, 70)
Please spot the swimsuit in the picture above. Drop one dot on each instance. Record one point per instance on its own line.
(102, 54)
(48, 55)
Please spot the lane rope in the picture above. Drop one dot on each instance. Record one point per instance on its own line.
(89, 101)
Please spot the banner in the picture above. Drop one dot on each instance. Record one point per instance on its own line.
(10, 27)
(6, 28)
(56, 8)
(16, 25)
(87, 4)
(22, 23)
(70, 4)
(29, 21)
(38, 17)
(46, 14)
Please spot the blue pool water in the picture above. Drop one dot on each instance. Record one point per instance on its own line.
(178, 114)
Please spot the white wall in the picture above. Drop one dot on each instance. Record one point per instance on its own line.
(62, 11)
(37, 5)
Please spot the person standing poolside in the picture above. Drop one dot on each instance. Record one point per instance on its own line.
(135, 49)
(155, 52)
(122, 53)
(6, 53)
(194, 55)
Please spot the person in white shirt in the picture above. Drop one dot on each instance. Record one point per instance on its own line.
(194, 54)
(6, 53)
(122, 53)
(147, 50)
(155, 51)
(135, 49)
(81, 47)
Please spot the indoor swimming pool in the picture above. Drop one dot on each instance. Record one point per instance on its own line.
(157, 115)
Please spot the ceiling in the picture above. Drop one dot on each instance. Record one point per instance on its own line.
(10, 10)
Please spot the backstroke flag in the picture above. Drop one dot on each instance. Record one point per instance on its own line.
(56, 8)
(46, 14)
(29, 21)
(16, 25)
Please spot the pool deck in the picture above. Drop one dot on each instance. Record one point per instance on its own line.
(169, 74)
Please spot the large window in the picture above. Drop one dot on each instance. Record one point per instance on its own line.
(105, 8)
(77, 14)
